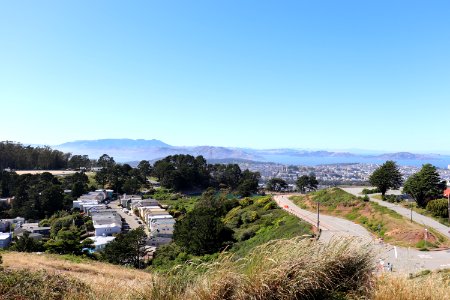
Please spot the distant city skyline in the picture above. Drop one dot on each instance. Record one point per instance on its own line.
(328, 75)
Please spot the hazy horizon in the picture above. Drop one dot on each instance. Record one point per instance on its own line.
(353, 150)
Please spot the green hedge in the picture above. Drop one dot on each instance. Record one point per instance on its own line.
(439, 208)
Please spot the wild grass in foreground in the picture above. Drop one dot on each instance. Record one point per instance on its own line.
(282, 269)
(434, 286)
(22, 284)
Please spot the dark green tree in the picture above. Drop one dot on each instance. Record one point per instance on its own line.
(313, 183)
(101, 177)
(276, 185)
(182, 172)
(131, 185)
(302, 183)
(127, 248)
(386, 177)
(67, 241)
(145, 169)
(105, 161)
(26, 244)
(424, 185)
(202, 232)
(306, 182)
(79, 161)
(78, 189)
(249, 183)
(51, 200)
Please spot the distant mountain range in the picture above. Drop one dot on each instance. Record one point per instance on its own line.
(124, 150)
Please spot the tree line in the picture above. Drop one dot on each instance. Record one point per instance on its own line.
(423, 186)
(186, 173)
(41, 195)
(19, 157)
(304, 183)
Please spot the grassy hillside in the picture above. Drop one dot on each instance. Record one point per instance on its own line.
(381, 221)
(253, 220)
(258, 220)
(104, 281)
(284, 269)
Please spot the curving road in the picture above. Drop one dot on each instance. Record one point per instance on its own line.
(403, 259)
(329, 225)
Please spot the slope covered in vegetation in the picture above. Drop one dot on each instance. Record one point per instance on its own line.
(282, 269)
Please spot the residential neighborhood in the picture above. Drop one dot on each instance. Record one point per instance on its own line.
(127, 212)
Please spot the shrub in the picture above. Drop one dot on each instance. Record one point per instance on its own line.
(392, 198)
(370, 191)
(270, 205)
(439, 208)
(263, 201)
(245, 202)
(249, 217)
(247, 233)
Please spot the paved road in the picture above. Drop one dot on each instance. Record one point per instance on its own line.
(131, 220)
(403, 259)
(329, 225)
(418, 218)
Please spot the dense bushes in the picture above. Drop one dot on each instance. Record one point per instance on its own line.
(439, 208)
(393, 198)
(370, 191)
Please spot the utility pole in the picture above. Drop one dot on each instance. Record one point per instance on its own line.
(411, 205)
(318, 217)
(447, 190)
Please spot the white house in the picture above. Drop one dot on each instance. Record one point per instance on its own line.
(106, 223)
(101, 241)
(5, 239)
(107, 229)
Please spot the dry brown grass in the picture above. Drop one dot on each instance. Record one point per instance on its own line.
(286, 269)
(431, 287)
(283, 269)
(106, 281)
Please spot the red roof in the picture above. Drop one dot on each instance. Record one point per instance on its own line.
(447, 192)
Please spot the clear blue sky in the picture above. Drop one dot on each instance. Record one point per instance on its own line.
(260, 74)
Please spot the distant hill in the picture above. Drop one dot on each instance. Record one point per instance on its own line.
(407, 155)
(129, 150)
(113, 143)
(136, 150)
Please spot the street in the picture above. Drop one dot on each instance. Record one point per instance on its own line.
(132, 220)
